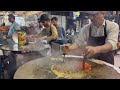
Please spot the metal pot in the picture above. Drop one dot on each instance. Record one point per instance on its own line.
(15, 35)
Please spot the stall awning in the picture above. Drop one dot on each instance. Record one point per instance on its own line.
(20, 12)
(28, 12)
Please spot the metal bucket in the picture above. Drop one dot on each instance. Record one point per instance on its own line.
(21, 38)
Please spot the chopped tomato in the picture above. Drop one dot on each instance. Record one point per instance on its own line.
(87, 66)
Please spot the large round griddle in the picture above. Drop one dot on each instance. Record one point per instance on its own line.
(41, 69)
(36, 69)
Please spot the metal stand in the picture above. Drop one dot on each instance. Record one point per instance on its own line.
(2, 67)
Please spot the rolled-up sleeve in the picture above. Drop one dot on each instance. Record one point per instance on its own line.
(112, 37)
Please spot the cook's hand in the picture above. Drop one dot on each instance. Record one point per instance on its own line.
(90, 51)
(66, 48)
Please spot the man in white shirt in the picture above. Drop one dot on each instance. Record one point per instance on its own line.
(14, 26)
(100, 36)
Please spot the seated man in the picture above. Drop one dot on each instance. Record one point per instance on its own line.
(61, 32)
(60, 29)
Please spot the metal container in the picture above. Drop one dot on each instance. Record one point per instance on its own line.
(21, 38)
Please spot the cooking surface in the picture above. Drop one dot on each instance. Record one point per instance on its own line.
(30, 47)
(41, 69)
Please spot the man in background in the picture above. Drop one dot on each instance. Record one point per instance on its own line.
(60, 29)
(50, 30)
(14, 26)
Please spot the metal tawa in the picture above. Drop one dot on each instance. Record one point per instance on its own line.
(41, 69)
(36, 69)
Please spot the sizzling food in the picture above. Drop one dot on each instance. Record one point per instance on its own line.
(71, 70)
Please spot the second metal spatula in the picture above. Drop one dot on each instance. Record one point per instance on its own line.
(64, 57)
(84, 60)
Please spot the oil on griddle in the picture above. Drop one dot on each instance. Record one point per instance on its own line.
(98, 71)
(43, 72)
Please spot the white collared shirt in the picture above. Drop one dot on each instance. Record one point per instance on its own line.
(112, 30)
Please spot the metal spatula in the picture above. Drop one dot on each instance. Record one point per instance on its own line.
(64, 57)
(84, 60)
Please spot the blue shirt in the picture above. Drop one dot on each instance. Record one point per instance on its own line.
(61, 33)
(14, 26)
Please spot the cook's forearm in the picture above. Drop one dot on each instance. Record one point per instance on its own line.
(73, 46)
(50, 38)
(104, 48)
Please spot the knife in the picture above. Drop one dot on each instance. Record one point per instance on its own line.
(64, 53)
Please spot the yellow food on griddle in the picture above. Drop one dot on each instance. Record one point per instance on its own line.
(70, 70)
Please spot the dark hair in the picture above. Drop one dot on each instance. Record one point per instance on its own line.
(12, 16)
(54, 18)
(44, 17)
